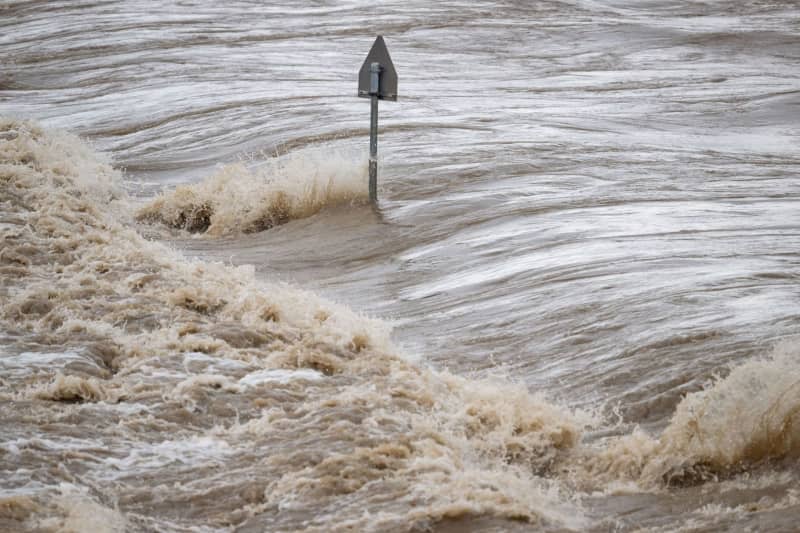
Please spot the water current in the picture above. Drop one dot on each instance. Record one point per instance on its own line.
(575, 306)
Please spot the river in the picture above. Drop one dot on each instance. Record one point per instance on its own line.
(574, 307)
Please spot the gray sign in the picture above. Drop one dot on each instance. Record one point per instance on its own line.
(387, 85)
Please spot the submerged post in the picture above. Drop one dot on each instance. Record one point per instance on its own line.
(374, 84)
(377, 80)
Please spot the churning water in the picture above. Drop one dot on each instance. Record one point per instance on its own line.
(575, 307)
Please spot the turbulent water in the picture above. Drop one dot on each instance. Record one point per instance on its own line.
(576, 306)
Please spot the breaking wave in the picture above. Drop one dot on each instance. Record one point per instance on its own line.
(310, 412)
(735, 423)
(238, 198)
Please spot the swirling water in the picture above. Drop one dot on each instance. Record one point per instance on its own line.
(588, 211)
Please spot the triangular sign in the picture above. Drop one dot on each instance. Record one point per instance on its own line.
(388, 79)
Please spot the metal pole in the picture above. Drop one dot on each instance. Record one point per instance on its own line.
(375, 71)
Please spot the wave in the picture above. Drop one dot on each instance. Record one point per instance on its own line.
(750, 415)
(736, 423)
(413, 444)
(249, 199)
(311, 412)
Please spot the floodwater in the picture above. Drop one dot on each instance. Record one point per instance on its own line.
(574, 308)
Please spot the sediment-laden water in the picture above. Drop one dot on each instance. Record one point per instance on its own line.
(575, 307)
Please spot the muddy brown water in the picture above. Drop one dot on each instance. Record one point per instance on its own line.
(575, 307)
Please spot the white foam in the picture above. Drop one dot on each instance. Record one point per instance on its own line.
(281, 376)
(63, 444)
(210, 363)
(27, 362)
(192, 450)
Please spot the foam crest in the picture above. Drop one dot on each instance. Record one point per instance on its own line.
(72, 389)
(751, 415)
(77, 512)
(60, 158)
(736, 422)
(241, 198)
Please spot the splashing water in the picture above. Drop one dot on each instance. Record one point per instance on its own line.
(242, 199)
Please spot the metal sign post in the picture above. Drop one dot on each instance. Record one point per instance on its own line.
(377, 80)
